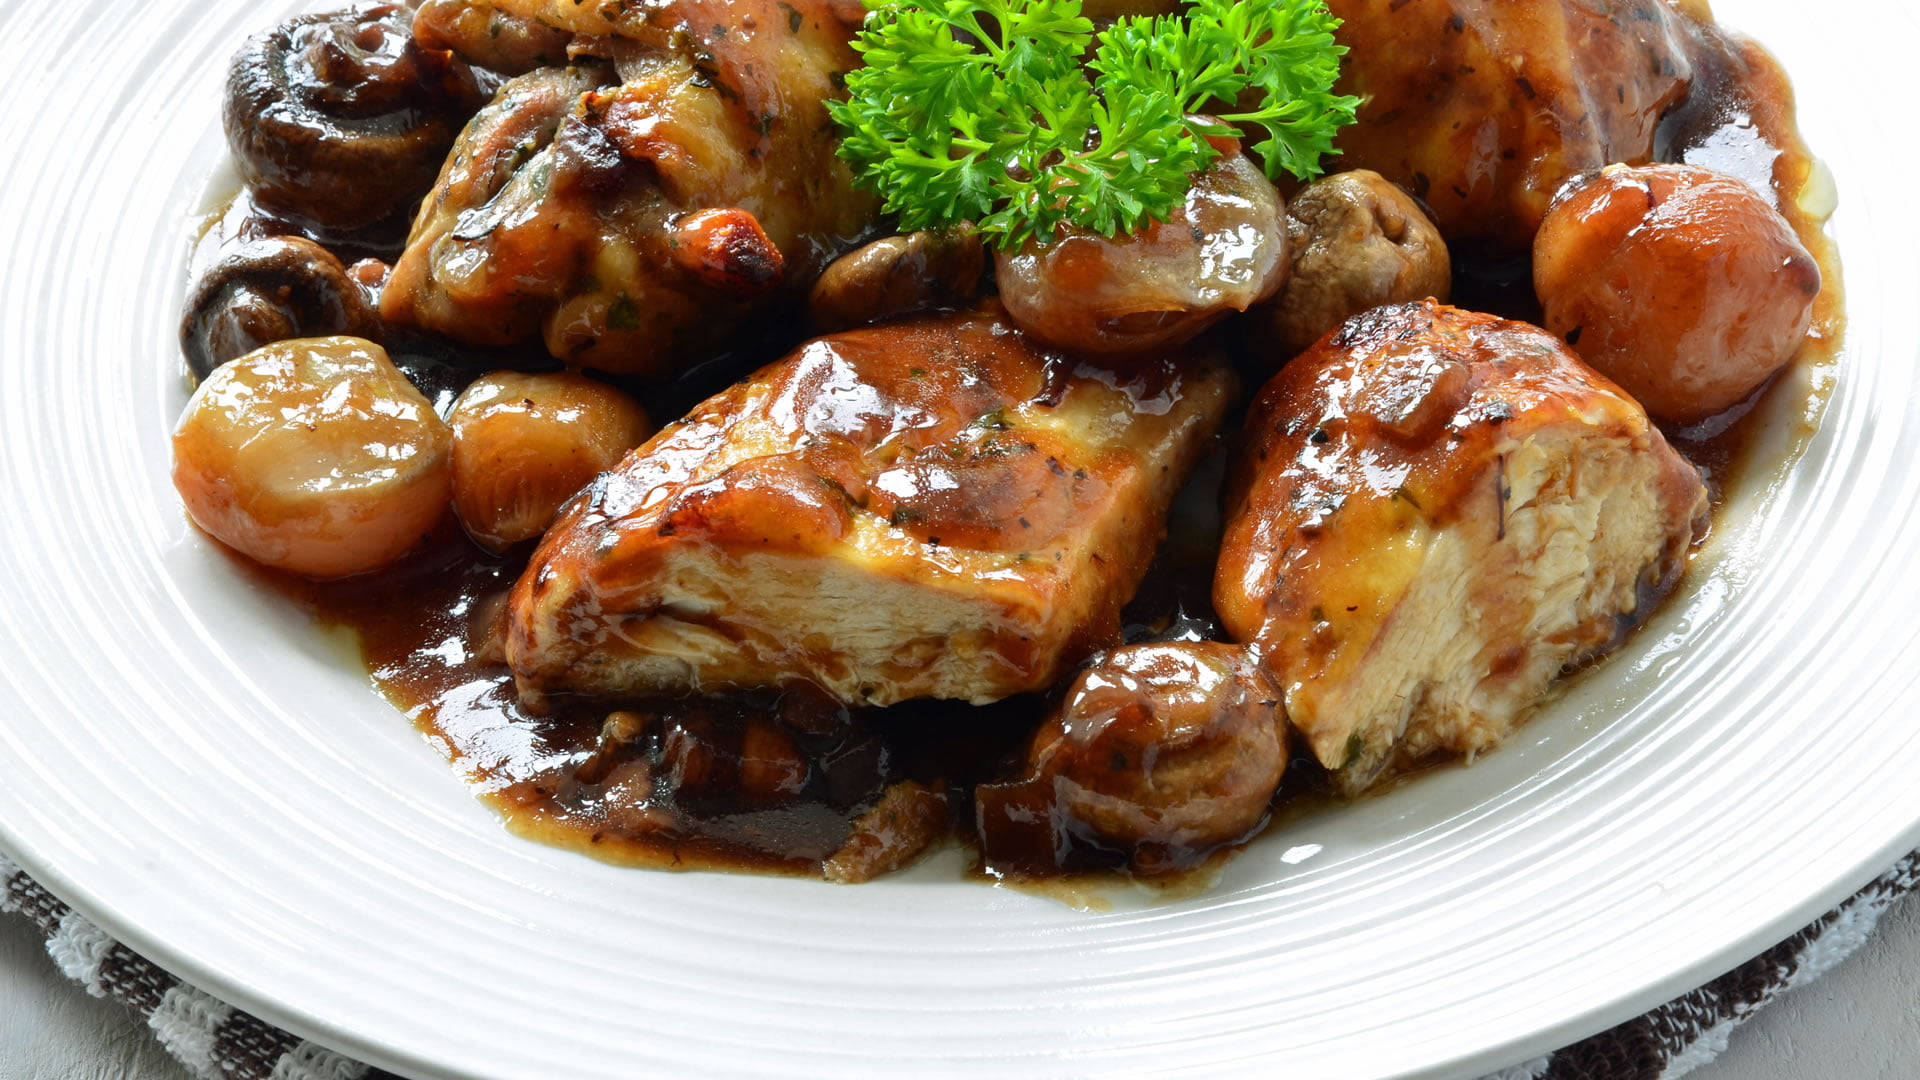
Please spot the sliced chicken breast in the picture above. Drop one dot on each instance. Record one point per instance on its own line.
(935, 508)
(1435, 514)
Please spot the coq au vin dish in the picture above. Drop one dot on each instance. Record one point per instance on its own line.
(798, 435)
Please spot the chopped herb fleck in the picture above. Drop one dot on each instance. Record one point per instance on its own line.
(623, 314)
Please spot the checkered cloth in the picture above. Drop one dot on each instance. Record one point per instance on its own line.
(216, 1041)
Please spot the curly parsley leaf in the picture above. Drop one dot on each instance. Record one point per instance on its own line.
(981, 110)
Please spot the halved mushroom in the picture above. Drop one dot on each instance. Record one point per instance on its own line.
(276, 289)
(341, 119)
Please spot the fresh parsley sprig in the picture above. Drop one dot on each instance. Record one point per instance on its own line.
(981, 110)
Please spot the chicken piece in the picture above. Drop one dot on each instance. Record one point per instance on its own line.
(1162, 752)
(934, 508)
(575, 17)
(482, 34)
(1483, 108)
(486, 223)
(1435, 514)
(634, 217)
(625, 18)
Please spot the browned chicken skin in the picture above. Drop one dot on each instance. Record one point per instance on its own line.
(1483, 108)
(482, 34)
(1435, 513)
(935, 508)
(633, 216)
(486, 226)
(1162, 752)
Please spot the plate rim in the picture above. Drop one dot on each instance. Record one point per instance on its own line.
(51, 871)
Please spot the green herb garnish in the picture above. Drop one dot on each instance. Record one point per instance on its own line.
(981, 110)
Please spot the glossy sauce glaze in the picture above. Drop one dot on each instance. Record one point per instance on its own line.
(775, 782)
(933, 508)
(632, 208)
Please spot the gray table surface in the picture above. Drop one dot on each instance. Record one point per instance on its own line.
(1862, 1022)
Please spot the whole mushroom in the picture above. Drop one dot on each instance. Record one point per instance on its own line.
(899, 275)
(341, 119)
(1683, 285)
(1358, 242)
(263, 291)
(1160, 752)
(1221, 251)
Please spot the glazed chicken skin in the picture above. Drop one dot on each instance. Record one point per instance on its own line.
(935, 508)
(1483, 108)
(1435, 514)
(482, 34)
(632, 214)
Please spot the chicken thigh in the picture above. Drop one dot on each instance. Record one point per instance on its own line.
(635, 214)
(1435, 514)
(1483, 108)
(935, 508)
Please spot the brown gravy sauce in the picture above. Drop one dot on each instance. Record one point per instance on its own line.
(701, 789)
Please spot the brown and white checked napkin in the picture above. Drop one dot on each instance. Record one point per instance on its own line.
(216, 1041)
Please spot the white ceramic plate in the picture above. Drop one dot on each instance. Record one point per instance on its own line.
(193, 765)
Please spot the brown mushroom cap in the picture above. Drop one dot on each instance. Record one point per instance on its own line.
(899, 275)
(341, 118)
(263, 291)
(1358, 242)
